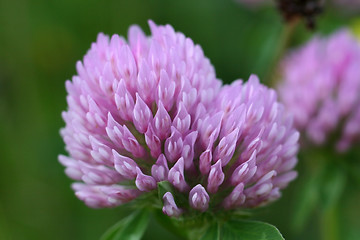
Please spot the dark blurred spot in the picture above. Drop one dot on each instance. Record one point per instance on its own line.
(306, 9)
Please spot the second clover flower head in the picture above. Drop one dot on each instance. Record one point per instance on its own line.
(321, 86)
(151, 109)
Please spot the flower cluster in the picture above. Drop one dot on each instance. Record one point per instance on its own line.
(350, 5)
(307, 9)
(293, 9)
(321, 86)
(151, 110)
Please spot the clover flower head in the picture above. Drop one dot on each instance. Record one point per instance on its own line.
(320, 87)
(152, 110)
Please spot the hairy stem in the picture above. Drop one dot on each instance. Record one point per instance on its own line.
(273, 72)
(329, 223)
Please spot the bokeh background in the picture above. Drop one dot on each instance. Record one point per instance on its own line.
(40, 42)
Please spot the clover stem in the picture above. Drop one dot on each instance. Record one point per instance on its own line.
(329, 223)
(285, 38)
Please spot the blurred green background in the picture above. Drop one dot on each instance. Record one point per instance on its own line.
(40, 42)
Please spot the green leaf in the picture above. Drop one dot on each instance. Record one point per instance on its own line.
(333, 186)
(168, 224)
(130, 228)
(249, 230)
(241, 230)
(307, 200)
